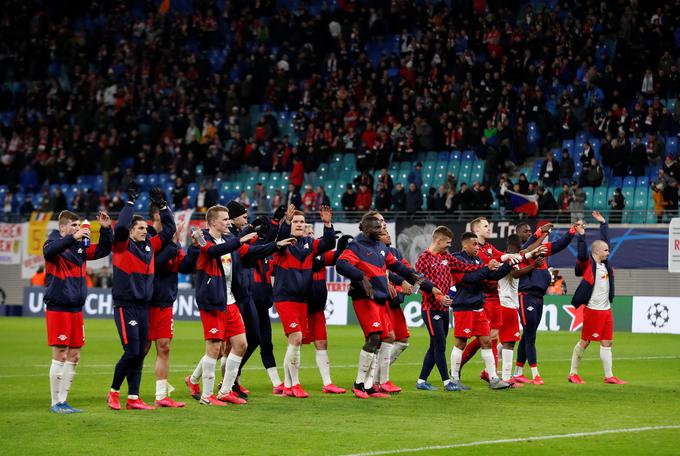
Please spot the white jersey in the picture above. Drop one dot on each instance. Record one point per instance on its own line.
(228, 268)
(508, 291)
(599, 300)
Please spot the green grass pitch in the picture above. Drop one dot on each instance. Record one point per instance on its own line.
(341, 425)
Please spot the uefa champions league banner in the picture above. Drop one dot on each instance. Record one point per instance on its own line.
(641, 248)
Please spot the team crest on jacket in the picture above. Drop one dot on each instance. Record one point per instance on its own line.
(148, 249)
(306, 246)
(80, 250)
(382, 252)
(489, 252)
(132, 323)
(437, 317)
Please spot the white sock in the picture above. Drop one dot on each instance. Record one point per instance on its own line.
(506, 356)
(365, 360)
(161, 389)
(223, 366)
(499, 349)
(397, 349)
(67, 380)
(384, 357)
(274, 376)
(576, 356)
(324, 366)
(420, 381)
(56, 374)
(292, 363)
(233, 362)
(208, 375)
(370, 377)
(490, 363)
(447, 381)
(133, 397)
(198, 372)
(519, 370)
(286, 373)
(606, 357)
(534, 372)
(456, 359)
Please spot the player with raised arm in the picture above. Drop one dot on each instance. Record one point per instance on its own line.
(365, 263)
(293, 278)
(316, 315)
(65, 294)
(469, 318)
(509, 332)
(596, 291)
(438, 265)
(133, 276)
(531, 290)
(492, 306)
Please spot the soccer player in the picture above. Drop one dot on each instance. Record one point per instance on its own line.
(65, 294)
(438, 265)
(509, 332)
(133, 275)
(492, 307)
(532, 288)
(167, 263)
(596, 290)
(469, 318)
(316, 316)
(223, 327)
(364, 262)
(293, 278)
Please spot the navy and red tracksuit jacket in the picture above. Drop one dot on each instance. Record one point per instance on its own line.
(262, 272)
(488, 252)
(397, 280)
(469, 285)
(537, 281)
(365, 257)
(318, 291)
(65, 264)
(293, 265)
(133, 262)
(211, 291)
(171, 260)
(586, 268)
(440, 269)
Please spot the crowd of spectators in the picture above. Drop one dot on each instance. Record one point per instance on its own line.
(90, 87)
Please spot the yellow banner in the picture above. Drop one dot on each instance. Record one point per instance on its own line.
(37, 232)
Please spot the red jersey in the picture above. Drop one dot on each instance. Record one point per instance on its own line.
(439, 269)
(488, 252)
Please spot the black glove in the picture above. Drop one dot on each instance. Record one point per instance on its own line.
(132, 192)
(279, 213)
(342, 242)
(259, 221)
(158, 198)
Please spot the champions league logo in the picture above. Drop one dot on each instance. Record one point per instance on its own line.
(330, 308)
(657, 315)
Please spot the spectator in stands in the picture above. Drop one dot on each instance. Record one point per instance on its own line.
(78, 202)
(385, 179)
(179, 192)
(451, 181)
(59, 202)
(523, 185)
(414, 199)
(547, 205)
(416, 176)
(364, 198)
(7, 202)
(452, 204)
(259, 201)
(308, 199)
(26, 207)
(293, 196)
(660, 202)
(349, 199)
(242, 199)
(399, 198)
(557, 284)
(383, 198)
(586, 157)
(671, 168)
(638, 158)
(566, 168)
(38, 279)
(466, 198)
(594, 175)
(430, 199)
(103, 278)
(621, 154)
(440, 198)
(655, 148)
(277, 199)
(297, 176)
(617, 202)
(321, 199)
(28, 179)
(550, 171)
(577, 202)
(364, 178)
(116, 204)
(485, 199)
(563, 203)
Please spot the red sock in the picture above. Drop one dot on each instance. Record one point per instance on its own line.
(470, 350)
(494, 349)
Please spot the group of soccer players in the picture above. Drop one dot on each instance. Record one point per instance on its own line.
(243, 269)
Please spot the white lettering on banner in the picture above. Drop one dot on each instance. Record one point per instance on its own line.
(412, 314)
(35, 302)
(549, 320)
(184, 306)
(654, 314)
(10, 243)
(499, 230)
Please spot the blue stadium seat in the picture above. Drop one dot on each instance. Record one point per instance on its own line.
(469, 155)
(141, 180)
(615, 181)
(455, 156)
(672, 146)
(642, 181)
(443, 156)
(629, 181)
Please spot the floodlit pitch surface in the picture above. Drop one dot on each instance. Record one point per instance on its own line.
(642, 417)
